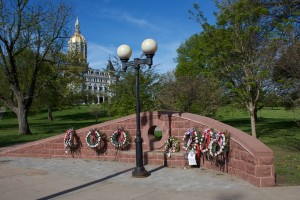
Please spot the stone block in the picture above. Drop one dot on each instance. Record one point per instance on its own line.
(263, 170)
(254, 180)
(267, 182)
(242, 175)
(250, 169)
(252, 160)
(266, 161)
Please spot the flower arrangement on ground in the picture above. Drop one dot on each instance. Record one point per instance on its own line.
(171, 145)
(120, 139)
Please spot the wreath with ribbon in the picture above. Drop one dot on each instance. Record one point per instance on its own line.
(205, 140)
(172, 144)
(219, 143)
(93, 138)
(120, 139)
(71, 141)
(191, 140)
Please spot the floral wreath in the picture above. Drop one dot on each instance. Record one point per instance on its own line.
(93, 138)
(172, 144)
(71, 141)
(191, 139)
(120, 139)
(205, 140)
(219, 143)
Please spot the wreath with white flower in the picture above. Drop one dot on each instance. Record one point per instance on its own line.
(71, 141)
(120, 139)
(191, 139)
(93, 138)
(205, 140)
(172, 144)
(217, 144)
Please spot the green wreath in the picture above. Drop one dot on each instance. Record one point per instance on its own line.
(120, 139)
(93, 138)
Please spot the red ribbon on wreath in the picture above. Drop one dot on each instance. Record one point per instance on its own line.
(121, 138)
(205, 140)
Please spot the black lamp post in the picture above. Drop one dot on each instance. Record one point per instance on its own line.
(124, 52)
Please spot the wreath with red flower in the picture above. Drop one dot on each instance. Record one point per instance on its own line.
(205, 140)
(219, 143)
(93, 138)
(120, 139)
(97, 140)
(191, 139)
(71, 141)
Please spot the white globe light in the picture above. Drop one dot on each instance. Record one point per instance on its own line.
(149, 46)
(124, 51)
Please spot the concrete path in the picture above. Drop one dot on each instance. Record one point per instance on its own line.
(37, 178)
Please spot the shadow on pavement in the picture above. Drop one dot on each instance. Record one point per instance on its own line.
(92, 183)
(84, 185)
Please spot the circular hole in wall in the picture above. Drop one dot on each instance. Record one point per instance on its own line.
(155, 135)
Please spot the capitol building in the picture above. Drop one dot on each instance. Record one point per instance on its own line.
(97, 81)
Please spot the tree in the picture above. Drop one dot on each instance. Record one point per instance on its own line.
(61, 81)
(123, 101)
(195, 94)
(243, 47)
(238, 50)
(37, 27)
(97, 110)
(286, 73)
(287, 76)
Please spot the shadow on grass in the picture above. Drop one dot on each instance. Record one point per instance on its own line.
(58, 127)
(39, 131)
(272, 131)
(70, 117)
(242, 124)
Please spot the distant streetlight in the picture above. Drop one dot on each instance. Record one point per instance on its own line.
(149, 47)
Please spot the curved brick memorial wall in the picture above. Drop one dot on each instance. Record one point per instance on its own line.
(249, 158)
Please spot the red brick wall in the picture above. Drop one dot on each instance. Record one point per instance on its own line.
(250, 159)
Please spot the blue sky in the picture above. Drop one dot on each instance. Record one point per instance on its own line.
(106, 24)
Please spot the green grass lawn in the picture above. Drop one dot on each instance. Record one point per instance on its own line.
(41, 127)
(277, 128)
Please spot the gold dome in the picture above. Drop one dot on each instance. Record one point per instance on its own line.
(77, 37)
(77, 42)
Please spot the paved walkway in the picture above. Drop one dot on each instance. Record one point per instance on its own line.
(37, 178)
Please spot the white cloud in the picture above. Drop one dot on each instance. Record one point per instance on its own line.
(163, 59)
(165, 56)
(98, 55)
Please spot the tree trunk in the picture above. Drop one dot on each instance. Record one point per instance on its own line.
(253, 115)
(22, 113)
(50, 117)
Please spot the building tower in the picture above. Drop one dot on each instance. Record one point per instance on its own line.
(96, 82)
(77, 43)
